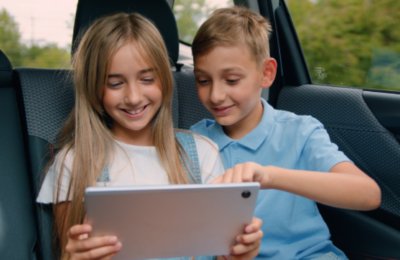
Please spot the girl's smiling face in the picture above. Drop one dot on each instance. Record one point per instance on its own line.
(132, 95)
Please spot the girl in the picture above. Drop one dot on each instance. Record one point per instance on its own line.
(121, 133)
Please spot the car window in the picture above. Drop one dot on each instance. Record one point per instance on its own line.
(33, 36)
(37, 33)
(350, 43)
(191, 14)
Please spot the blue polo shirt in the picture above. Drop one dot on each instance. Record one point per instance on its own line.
(292, 225)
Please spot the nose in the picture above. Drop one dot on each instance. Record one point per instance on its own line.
(133, 94)
(217, 94)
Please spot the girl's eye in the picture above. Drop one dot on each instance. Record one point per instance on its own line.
(115, 84)
(202, 82)
(148, 80)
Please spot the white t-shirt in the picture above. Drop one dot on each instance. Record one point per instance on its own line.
(132, 165)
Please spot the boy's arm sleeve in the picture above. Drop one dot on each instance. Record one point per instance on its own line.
(319, 152)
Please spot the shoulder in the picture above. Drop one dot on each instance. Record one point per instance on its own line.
(283, 116)
(292, 130)
(301, 124)
(57, 178)
(63, 159)
(273, 117)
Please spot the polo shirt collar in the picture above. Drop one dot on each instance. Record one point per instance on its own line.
(252, 140)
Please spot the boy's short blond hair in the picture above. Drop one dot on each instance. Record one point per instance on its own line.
(233, 26)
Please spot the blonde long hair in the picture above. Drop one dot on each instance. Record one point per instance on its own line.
(87, 130)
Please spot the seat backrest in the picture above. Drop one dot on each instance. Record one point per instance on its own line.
(155, 10)
(18, 234)
(190, 110)
(47, 97)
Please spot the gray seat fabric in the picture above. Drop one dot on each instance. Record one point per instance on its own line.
(48, 98)
(18, 233)
(190, 110)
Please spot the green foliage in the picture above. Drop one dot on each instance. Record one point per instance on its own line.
(191, 14)
(46, 56)
(385, 70)
(10, 37)
(346, 41)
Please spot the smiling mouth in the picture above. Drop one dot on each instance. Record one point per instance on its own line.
(221, 111)
(133, 113)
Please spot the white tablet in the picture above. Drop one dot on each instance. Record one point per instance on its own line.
(172, 220)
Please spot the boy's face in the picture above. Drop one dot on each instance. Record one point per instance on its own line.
(229, 83)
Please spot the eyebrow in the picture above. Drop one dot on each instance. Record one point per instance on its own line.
(223, 71)
(144, 71)
(232, 69)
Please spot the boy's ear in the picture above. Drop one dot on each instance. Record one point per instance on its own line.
(269, 67)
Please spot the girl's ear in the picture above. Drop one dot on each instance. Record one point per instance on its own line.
(269, 67)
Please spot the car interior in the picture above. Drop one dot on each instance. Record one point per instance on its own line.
(35, 102)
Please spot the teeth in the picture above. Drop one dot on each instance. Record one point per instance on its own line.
(134, 112)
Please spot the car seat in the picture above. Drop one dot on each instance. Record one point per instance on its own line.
(18, 234)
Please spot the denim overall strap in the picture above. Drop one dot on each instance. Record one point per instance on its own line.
(188, 143)
(105, 175)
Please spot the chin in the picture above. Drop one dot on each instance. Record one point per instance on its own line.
(225, 121)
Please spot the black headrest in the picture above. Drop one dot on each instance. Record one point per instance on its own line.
(5, 70)
(158, 11)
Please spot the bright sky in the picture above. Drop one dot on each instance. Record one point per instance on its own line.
(43, 21)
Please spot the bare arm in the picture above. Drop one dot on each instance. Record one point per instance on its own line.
(345, 187)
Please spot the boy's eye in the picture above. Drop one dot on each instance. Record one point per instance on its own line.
(232, 81)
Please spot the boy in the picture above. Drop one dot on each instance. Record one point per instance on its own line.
(290, 155)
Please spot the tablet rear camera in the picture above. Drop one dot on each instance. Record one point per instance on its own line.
(246, 194)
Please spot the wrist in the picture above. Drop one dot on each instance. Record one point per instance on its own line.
(270, 177)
